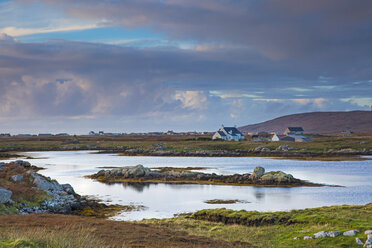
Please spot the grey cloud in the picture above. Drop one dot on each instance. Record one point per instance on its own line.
(278, 29)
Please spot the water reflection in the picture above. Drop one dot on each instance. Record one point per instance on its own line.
(258, 194)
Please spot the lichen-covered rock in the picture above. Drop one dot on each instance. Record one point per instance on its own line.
(5, 196)
(257, 173)
(282, 177)
(138, 171)
(267, 178)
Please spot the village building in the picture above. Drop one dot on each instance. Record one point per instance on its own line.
(45, 135)
(282, 137)
(228, 133)
(294, 131)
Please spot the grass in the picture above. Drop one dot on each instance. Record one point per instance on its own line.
(53, 230)
(43, 237)
(276, 229)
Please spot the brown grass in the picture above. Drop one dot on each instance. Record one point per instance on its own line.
(105, 233)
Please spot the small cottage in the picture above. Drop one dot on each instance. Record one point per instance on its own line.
(228, 133)
(282, 137)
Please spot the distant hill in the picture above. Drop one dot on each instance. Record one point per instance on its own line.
(318, 122)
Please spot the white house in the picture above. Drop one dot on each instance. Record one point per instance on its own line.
(228, 133)
(282, 137)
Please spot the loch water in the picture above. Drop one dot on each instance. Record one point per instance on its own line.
(165, 200)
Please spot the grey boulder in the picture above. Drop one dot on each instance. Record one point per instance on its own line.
(350, 233)
(257, 173)
(321, 234)
(358, 241)
(17, 178)
(5, 196)
(333, 234)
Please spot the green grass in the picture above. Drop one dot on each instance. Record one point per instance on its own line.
(276, 229)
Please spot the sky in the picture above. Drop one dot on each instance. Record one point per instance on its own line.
(183, 65)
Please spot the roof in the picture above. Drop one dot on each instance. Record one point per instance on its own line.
(296, 129)
(221, 133)
(232, 131)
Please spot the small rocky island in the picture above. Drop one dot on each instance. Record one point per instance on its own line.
(142, 174)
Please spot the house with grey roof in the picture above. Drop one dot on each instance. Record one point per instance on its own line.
(294, 131)
(228, 133)
(282, 137)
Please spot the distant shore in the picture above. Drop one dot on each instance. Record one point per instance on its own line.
(324, 147)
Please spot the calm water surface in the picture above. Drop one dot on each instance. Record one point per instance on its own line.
(165, 200)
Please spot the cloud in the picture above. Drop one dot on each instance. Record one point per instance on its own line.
(192, 99)
(319, 102)
(312, 30)
(14, 31)
(160, 87)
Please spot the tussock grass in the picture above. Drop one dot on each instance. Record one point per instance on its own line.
(48, 238)
(267, 229)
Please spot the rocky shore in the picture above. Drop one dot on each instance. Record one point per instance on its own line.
(142, 174)
(24, 191)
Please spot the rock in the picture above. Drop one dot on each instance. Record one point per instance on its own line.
(308, 237)
(17, 178)
(23, 163)
(358, 241)
(257, 173)
(139, 171)
(351, 233)
(321, 234)
(333, 234)
(68, 189)
(44, 184)
(295, 238)
(267, 178)
(282, 177)
(368, 232)
(262, 149)
(5, 196)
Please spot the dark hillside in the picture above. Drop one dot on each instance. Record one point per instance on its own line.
(318, 122)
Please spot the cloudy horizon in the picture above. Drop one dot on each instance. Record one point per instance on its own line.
(183, 65)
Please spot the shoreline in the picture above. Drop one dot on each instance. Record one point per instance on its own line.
(292, 155)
